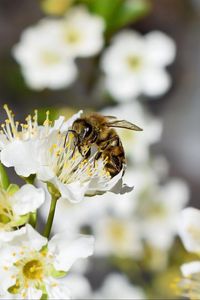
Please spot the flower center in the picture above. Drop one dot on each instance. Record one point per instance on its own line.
(72, 36)
(50, 58)
(117, 231)
(69, 165)
(33, 269)
(134, 62)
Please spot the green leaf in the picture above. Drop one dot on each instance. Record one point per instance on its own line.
(4, 180)
(105, 8)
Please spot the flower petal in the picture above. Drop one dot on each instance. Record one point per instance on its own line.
(30, 238)
(57, 289)
(31, 293)
(69, 122)
(155, 81)
(22, 155)
(160, 48)
(123, 88)
(189, 229)
(74, 192)
(27, 199)
(6, 236)
(190, 268)
(67, 249)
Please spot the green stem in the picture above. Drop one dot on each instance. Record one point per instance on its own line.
(47, 229)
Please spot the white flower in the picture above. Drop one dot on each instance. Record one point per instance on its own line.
(189, 229)
(43, 60)
(30, 266)
(15, 205)
(49, 152)
(189, 285)
(81, 32)
(158, 207)
(137, 144)
(117, 236)
(135, 64)
(117, 286)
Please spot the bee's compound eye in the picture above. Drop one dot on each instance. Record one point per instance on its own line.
(87, 130)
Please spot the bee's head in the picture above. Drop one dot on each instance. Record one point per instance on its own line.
(83, 128)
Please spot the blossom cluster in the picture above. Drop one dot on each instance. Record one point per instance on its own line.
(46, 157)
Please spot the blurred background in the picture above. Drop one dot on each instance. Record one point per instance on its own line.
(178, 108)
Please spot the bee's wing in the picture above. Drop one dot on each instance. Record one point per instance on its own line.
(123, 124)
(110, 117)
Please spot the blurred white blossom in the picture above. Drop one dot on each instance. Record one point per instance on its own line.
(46, 51)
(189, 229)
(158, 207)
(117, 236)
(117, 286)
(44, 62)
(137, 145)
(81, 33)
(135, 64)
(30, 266)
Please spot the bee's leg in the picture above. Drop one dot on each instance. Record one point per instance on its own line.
(98, 155)
(67, 134)
(107, 143)
(87, 154)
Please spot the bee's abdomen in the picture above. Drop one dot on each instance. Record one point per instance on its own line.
(115, 160)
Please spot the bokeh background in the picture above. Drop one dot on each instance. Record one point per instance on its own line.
(179, 108)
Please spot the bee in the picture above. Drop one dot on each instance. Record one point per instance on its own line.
(95, 130)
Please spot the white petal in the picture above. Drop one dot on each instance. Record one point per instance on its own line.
(27, 199)
(189, 229)
(9, 236)
(73, 192)
(57, 289)
(72, 281)
(69, 122)
(7, 279)
(190, 268)
(45, 173)
(123, 88)
(32, 293)
(30, 238)
(160, 48)
(155, 81)
(22, 156)
(68, 249)
(58, 123)
(3, 141)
